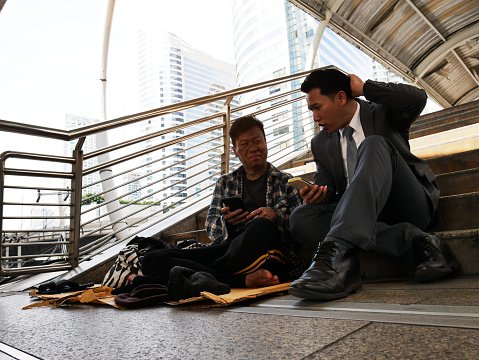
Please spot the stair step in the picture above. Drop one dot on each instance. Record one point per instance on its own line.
(452, 111)
(455, 162)
(459, 182)
(440, 165)
(443, 127)
(458, 212)
(464, 245)
(435, 126)
(446, 119)
(376, 266)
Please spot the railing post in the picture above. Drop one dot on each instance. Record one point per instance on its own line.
(225, 164)
(75, 204)
(2, 183)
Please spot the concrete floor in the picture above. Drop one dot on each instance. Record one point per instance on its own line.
(393, 320)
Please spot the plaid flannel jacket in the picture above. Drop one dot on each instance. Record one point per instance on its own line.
(280, 196)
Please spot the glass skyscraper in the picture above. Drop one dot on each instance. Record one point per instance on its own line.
(172, 71)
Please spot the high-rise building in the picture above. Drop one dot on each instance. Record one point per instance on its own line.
(77, 121)
(380, 73)
(133, 185)
(171, 71)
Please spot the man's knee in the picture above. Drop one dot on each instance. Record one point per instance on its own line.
(261, 226)
(260, 231)
(375, 143)
(376, 149)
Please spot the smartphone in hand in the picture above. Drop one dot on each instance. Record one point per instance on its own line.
(234, 203)
(299, 183)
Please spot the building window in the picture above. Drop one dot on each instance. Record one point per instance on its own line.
(281, 130)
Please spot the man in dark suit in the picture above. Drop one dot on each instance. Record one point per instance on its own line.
(370, 191)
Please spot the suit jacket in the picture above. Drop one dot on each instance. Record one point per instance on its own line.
(389, 112)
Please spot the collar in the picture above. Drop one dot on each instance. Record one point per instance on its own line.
(272, 170)
(355, 122)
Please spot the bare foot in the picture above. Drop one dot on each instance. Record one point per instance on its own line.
(260, 278)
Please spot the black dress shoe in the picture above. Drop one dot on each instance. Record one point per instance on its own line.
(434, 258)
(333, 274)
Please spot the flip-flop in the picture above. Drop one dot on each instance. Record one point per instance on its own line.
(143, 296)
(61, 286)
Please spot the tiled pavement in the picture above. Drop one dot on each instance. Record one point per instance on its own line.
(393, 320)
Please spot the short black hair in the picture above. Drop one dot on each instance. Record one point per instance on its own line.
(328, 81)
(242, 124)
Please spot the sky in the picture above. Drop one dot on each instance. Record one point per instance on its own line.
(50, 51)
(205, 24)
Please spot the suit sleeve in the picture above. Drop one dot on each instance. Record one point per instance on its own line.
(405, 102)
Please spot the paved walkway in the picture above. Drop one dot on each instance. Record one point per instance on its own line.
(393, 320)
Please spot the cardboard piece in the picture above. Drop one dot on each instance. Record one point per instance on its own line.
(238, 294)
(101, 295)
(94, 295)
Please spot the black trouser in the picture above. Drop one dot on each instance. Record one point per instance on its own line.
(383, 208)
(228, 261)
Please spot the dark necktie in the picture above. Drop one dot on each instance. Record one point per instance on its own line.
(352, 151)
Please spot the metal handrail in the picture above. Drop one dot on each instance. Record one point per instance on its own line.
(149, 163)
(146, 151)
(67, 135)
(157, 191)
(153, 135)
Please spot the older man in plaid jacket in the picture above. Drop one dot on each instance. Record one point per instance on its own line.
(251, 245)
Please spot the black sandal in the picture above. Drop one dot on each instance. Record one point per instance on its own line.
(61, 286)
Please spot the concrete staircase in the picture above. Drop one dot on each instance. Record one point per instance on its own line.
(458, 210)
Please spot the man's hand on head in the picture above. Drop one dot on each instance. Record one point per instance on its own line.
(236, 217)
(263, 212)
(313, 195)
(357, 85)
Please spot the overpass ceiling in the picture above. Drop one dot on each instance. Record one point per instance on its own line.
(434, 43)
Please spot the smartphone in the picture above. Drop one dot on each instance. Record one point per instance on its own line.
(234, 203)
(299, 183)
